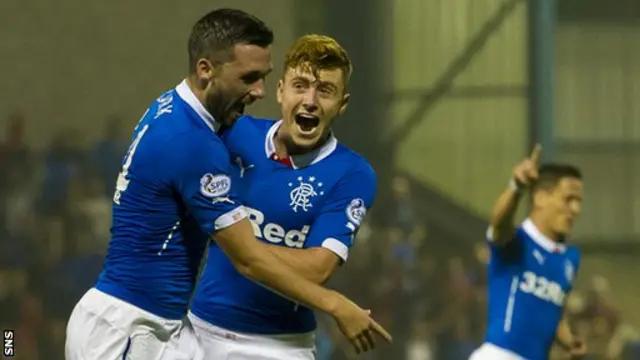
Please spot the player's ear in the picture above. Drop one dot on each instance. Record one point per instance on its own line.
(344, 104)
(205, 70)
(279, 91)
(539, 198)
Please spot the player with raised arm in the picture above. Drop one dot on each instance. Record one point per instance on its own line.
(304, 192)
(173, 194)
(532, 269)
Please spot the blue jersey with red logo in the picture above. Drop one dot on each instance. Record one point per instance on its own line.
(313, 200)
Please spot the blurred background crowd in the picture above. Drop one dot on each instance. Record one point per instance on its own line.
(447, 96)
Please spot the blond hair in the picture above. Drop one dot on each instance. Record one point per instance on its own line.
(315, 52)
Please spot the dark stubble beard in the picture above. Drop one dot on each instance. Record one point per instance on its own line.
(219, 105)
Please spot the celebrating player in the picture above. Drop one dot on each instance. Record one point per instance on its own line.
(531, 271)
(304, 192)
(174, 192)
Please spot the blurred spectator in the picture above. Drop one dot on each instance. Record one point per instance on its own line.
(403, 213)
(108, 153)
(15, 156)
(420, 345)
(64, 161)
(624, 344)
(478, 268)
(89, 212)
(16, 199)
(599, 319)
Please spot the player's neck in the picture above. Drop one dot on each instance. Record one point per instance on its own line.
(286, 148)
(281, 149)
(192, 83)
(543, 228)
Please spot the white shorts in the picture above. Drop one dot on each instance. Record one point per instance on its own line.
(102, 327)
(221, 344)
(492, 352)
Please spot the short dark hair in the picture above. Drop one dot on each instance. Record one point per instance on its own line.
(549, 175)
(222, 29)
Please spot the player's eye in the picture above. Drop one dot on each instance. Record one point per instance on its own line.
(326, 90)
(252, 78)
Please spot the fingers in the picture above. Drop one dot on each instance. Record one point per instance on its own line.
(359, 345)
(527, 172)
(369, 339)
(365, 341)
(363, 338)
(532, 172)
(535, 154)
(381, 331)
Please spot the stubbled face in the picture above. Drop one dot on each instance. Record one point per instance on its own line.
(234, 84)
(560, 206)
(309, 105)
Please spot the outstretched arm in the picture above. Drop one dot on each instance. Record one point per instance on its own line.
(505, 208)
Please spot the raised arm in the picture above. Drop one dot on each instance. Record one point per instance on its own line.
(504, 210)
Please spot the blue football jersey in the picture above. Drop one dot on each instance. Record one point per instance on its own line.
(318, 201)
(529, 279)
(173, 191)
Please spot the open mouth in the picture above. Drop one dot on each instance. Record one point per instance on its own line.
(238, 108)
(307, 123)
(235, 112)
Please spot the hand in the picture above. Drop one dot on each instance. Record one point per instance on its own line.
(357, 325)
(526, 173)
(578, 349)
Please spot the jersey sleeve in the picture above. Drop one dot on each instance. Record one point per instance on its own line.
(507, 253)
(343, 212)
(201, 176)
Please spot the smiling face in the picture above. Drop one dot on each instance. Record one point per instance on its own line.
(309, 105)
(312, 92)
(229, 58)
(557, 199)
(560, 205)
(237, 83)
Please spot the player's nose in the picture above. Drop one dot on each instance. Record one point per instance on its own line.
(310, 97)
(310, 107)
(258, 91)
(576, 209)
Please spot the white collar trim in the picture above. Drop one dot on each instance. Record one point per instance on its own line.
(304, 160)
(190, 98)
(532, 230)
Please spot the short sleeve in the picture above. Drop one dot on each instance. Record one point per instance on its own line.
(200, 173)
(343, 212)
(505, 254)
